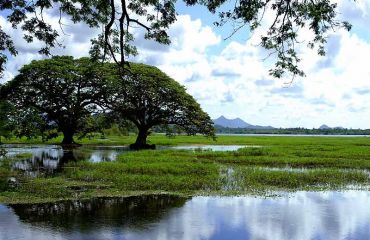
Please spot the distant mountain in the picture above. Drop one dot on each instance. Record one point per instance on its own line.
(322, 127)
(236, 123)
(231, 123)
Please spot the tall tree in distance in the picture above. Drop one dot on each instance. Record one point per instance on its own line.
(118, 18)
(5, 124)
(148, 97)
(63, 90)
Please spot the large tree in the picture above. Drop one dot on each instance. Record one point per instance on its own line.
(148, 97)
(5, 124)
(62, 90)
(117, 18)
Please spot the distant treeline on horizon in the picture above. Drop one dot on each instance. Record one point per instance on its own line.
(329, 131)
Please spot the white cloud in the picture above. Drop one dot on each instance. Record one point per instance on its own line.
(235, 82)
(74, 38)
(307, 102)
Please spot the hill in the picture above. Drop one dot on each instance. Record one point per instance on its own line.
(236, 123)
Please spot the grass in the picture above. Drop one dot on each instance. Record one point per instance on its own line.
(281, 164)
(161, 139)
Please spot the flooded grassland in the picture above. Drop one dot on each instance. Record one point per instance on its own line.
(265, 165)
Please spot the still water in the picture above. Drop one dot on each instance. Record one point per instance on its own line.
(301, 216)
(47, 159)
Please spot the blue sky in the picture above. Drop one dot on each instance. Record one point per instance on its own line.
(231, 78)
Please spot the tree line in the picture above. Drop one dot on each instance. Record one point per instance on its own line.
(80, 96)
(304, 131)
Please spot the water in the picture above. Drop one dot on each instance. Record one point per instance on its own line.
(215, 148)
(301, 215)
(48, 159)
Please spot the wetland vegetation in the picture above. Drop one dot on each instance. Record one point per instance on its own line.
(265, 166)
(81, 192)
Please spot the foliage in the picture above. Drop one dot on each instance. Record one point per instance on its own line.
(122, 127)
(60, 92)
(155, 17)
(95, 123)
(4, 174)
(31, 123)
(5, 125)
(148, 97)
(3, 152)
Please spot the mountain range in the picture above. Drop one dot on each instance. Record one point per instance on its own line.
(322, 127)
(237, 123)
(240, 123)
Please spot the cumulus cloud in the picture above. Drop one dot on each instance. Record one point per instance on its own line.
(234, 81)
(74, 39)
(336, 84)
(294, 91)
(264, 82)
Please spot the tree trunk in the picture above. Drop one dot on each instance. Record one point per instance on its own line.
(141, 137)
(68, 137)
(141, 140)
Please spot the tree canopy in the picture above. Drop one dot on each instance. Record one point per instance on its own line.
(68, 95)
(5, 124)
(148, 97)
(117, 18)
(60, 91)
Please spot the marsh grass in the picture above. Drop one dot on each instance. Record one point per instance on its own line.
(252, 178)
(161, 139)
(281, 164)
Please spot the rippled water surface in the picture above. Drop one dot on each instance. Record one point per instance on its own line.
(301, 215)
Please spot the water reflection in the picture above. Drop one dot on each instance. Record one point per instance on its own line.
(87, 215)
(215, 148)
(302, 215)
(48, 159)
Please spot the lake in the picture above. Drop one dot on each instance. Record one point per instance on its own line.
(301, 215)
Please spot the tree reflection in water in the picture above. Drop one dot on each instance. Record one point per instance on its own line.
(49, 159)
(85, 215)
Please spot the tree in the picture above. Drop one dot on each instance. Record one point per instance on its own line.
(117, 18)
(148, 97)
(31, 123)
(5, 126)
(62, 90)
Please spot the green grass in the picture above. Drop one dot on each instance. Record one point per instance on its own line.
(161, 139)
(21, 156)
(281, 164)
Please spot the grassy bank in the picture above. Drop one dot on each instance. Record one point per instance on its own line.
(161, 139)
(281, 164)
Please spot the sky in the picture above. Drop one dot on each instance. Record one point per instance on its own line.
(230, 77)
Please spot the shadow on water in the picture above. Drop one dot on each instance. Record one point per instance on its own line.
(89, 215)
